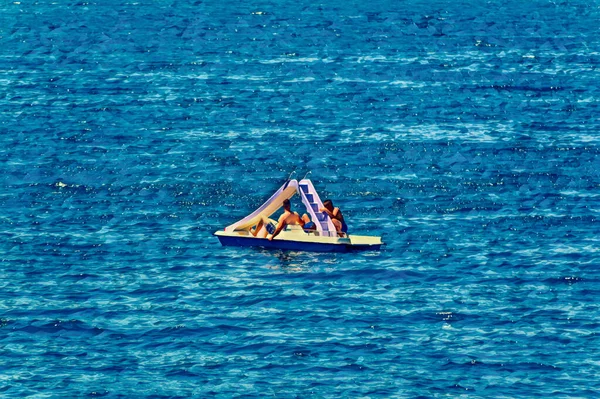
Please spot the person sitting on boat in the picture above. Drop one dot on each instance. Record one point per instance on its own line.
(336, 216)
(263, 227)
(289, 217)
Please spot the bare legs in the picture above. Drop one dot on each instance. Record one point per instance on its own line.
(338, 227)
(260, 230)
(259, 226)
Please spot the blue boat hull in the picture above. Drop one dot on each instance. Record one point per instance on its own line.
(292, 245)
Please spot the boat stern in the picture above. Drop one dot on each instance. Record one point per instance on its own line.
(364, 242)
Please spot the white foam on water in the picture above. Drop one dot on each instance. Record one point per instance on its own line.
(307, 60)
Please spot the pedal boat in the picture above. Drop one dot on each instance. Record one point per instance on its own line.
(323, 239)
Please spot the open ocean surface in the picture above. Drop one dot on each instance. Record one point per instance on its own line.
(465, 133)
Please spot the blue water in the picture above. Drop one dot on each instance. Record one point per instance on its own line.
(465, 133)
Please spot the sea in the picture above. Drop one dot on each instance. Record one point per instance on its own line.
(465, 133)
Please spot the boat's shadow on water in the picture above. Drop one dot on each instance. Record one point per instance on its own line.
(294, 261)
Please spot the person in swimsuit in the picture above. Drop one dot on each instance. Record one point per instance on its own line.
(289, 217)
(336, 216)
(267, 229)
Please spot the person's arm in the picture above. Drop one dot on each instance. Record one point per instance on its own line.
(280, 226)
(327, 211)
(334, 214)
